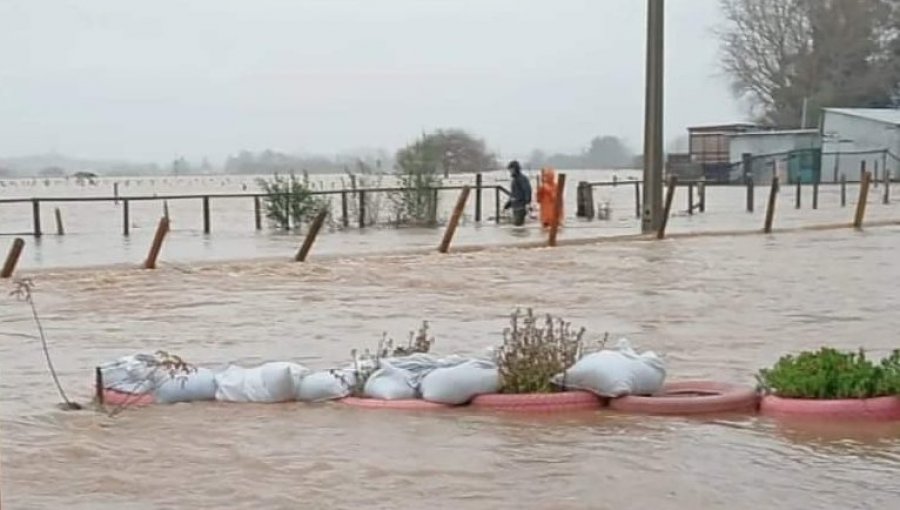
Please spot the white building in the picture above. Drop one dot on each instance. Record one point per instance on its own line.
(851, 136)
(775, 152)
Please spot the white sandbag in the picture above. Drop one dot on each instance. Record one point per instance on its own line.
(130, 374)
(418, 365)
(616, 373)
(268, 383)
(196, 386)
(459, 384)
(390, 383)
(326, 385)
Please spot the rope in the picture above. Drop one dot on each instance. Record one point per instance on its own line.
(23, 292)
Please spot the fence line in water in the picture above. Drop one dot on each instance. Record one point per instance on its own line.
(857, 223)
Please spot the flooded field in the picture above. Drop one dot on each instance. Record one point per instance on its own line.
(94, 229)
(715, 307)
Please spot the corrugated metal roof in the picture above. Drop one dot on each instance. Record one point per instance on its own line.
(885, 115)
(777, 132)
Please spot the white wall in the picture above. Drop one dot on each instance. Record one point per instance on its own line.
(866, 135)
(769, 143)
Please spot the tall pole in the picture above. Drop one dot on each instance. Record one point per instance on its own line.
(652, 218)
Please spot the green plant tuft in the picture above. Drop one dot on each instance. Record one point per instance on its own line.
(832, 374)
(289, 201)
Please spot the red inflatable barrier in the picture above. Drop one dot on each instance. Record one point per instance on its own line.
(539, 402)
(372, 403)
(119, 398)
(690, 398)
(876, 409)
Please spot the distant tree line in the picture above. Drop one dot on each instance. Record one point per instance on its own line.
(604, 152)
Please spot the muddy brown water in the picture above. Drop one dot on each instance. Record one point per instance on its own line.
(718, 307)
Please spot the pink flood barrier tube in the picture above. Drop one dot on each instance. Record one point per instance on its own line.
(119, 398)
(375, 403)
(539, 402)
(691, 398)
(879, 408)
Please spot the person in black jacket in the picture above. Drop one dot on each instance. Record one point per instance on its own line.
(520, 194)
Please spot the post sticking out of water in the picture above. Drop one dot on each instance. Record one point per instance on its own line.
(770, 210)
(558, 206)
(691, 198)
(701, 192)
(886, 199)
(670, 196)
(311, 236)
(206, 223)
(454, 220)
(60, 230)
(345, 207)
(362, 209)
(843, 190)
(257, 213)
(126, 218)
(815, 202)
(116, 192)
(497, 204)
(478, 197)
(166, 210)
(12, 258)
(749, 194)
(98, 385)
(36, 213)
(155, 248)
(433, 211)
(861, 203)
(875, 180)
(637, 199)
(799, 193)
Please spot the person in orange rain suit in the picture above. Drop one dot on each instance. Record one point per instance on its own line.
(546, 196)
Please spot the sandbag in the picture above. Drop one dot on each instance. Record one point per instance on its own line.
(326, 385)
(459, 384)
(196, 386)
(267, 383)
(417, 366)
(130, 374)
(616, 372)
(390, 383)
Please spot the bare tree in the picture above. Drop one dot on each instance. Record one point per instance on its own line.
(829, 52)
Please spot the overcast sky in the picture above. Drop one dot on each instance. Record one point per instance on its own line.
(152, 80)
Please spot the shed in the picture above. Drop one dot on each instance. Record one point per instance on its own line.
(790, 153)
(851, 136)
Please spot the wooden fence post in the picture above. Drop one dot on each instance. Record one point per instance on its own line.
(206, 223)
(116, 193)
(98, 385)
(497, 204)
(362, 208)
(257, 213)
(670, 195)
(843, 190)
(863, 198)
(60, 230)
(637, 199)
(166, 210)
(311, 236)
(799, 193)
(12, 258)
(875, 177)
(701, 192)
(770, 210)
(126, 218)
(750, 199)
(454, 220)
(36, 213)
(886, 199)
(691, 198)
(161, 230)
(560, 200)
(815, 200)
(433, 211)
(478, 197)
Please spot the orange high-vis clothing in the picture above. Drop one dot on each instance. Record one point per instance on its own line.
(546, 196)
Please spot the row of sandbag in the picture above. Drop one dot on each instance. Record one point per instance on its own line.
(453, 380)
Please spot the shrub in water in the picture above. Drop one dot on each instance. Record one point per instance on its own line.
(531, 354)
(831, 374)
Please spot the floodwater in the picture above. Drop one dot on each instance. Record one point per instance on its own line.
(714, 307)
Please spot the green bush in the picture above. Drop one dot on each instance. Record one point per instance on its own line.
(289, 200)
(831, 374)
(531, 355)
(418, 175)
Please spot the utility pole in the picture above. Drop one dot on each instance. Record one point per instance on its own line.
(652, 216)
